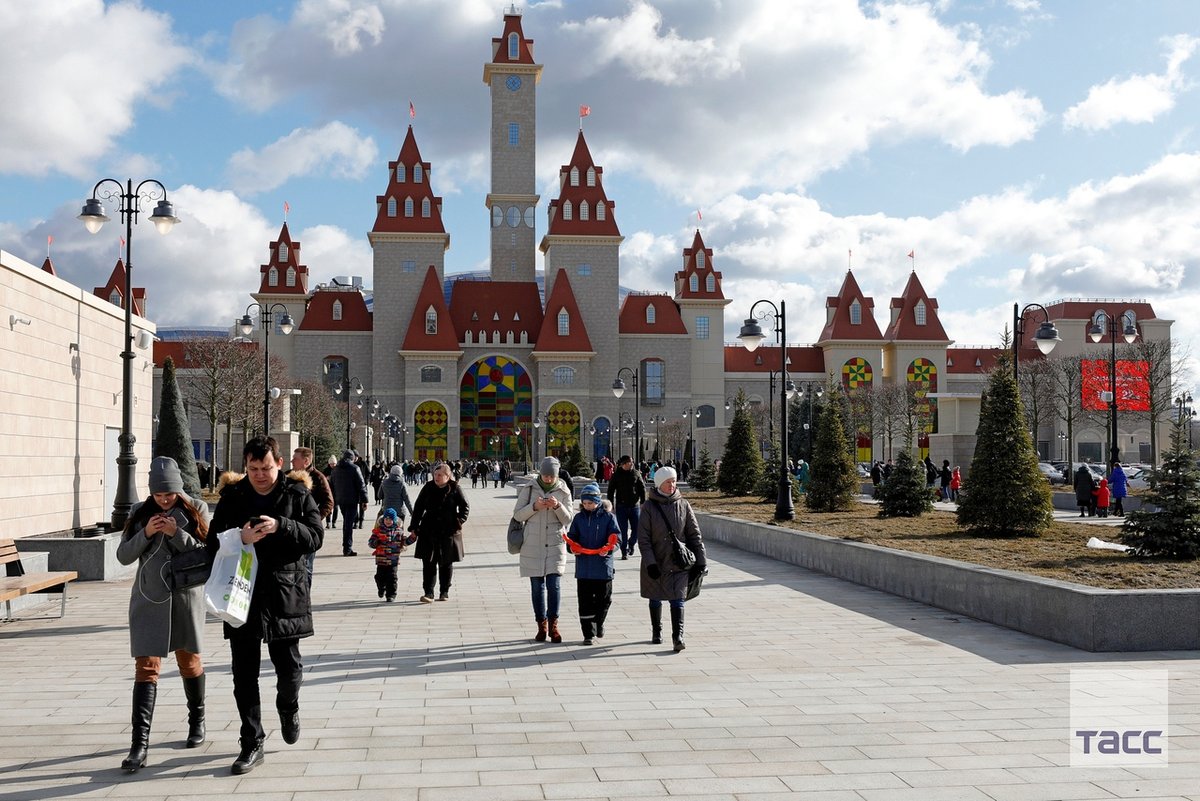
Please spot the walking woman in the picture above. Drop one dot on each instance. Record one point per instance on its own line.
(545, 508)
(162, 620)
(667, 517)
(438, 517)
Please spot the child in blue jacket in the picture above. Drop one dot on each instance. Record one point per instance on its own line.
(592, 538)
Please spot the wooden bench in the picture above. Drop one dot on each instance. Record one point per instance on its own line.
(17, 582)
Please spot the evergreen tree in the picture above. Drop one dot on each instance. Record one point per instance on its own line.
(1168, 523)
(174, 436)
(768, 485)
(1004, 493)
(576, 466)
(904, 494)
(703, 476)
(741, 464)
(797, 436)
(832, 479)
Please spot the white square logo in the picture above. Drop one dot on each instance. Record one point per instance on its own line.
(1119, 718)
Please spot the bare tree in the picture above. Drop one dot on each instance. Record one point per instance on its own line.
(1036, 383)
(1066, 383)
(211, 382)
(889, 414)
(315, 413)
(1166, 377)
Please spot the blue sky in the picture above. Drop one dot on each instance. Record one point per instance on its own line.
(1027, 151)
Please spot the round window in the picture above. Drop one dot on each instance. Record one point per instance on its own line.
(514, 216)
(529, 212)
(497, 216)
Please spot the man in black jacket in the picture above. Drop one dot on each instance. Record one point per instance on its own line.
(278, 515)
(349, 490)
(625, 491)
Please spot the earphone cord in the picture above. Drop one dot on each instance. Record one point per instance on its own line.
(161, 573)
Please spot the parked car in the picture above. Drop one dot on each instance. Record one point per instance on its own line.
(1137, 478)
(1051, 473)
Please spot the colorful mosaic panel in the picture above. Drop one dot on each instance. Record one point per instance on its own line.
(923, 373)
(562, 424)
(856, 372)
(495, 398)
(431, 430)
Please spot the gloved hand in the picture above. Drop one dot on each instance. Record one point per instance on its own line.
(653, 571)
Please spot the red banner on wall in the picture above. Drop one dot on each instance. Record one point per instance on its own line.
(1133, 385)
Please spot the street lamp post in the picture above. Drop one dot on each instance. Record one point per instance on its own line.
(812, 397)
(692, 414)
(1184, 402)
(752, 336)
(618, 389)
(266, 316)
(537, 424)
(129, 202)
(1045, 338)
(1062, 445)
(337, 390)
(1096, 333)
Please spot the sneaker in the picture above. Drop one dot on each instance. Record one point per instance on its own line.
(445, 596)
(250, 757)
(426, 599)
(587, 640)
(391, 598)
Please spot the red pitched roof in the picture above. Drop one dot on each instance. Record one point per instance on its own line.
(807, 359)
(838, 325)
(180, 352)
(579, 194)
(281, 266)
(409, 189)
(563, 297)
(1085, 310)
(701, 271)
(512, 24)
(904, 327)
(483, 307)
(319, 314)
(116, 281)
(667, 320)
(48, 266)
(444, 338)
(974, 360)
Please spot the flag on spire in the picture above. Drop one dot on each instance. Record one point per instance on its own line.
(412, 111)
(286, 208)
(699, 216)
(583, 112)
(912, 254)
(49, 242)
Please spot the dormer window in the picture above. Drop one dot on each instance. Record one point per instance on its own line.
(564, 323)
(426, 207)
(283, 251)
(700, 260)
(856, 313)
(567, 210)
(337, 310)
(1100, 319)
(710, 283)
(291, 276)
(401, 174)
(583, 210)
(514, 46)
(919, 312)
(431, 320)
(1128, 319)
(272, 277)
(391, 207)
(574, 176)
(693, 283)
(408, 207)
(418, 173)
(650, 314)
(114, 298)
(591, 176)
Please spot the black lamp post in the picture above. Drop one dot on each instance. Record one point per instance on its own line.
(1096, 333)
(618, 389)
(1184, 402)
(692, 414)
(752, 336)
(357, 388)
(129, 202)
(266, 316)
(813, 392)
(1045, 338)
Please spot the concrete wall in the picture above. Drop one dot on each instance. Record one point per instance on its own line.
(56, 401)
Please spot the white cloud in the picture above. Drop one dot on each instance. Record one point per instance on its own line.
(1138, 98)
(347, 24)
(75, 72)
(335, 149)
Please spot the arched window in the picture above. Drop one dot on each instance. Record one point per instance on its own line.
(591, 176)
(574, 176)
(408, 207)
(425, 207)
(583, 210)
(654, 375)
(919, 312)
(710, 283)
(693, 283)
(567, 210)
(564, 376)
(391, 207)
(291, 276)
(564, 323)
(514, 46)
(283, 251)
(855, 312)
(1128, 319)
(700, 260)
(431, 320)
(401, 174)
(337, 310)
(1100, 319)
(706, 416)
(600, 210)
(418, 173)
(431, 374)
(650, 312)
(497, 216)
(272, 277)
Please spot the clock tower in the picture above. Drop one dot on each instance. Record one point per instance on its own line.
(513, 77)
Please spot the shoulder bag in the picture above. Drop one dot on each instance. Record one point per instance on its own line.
(190, 569)
(681, 554)
(516, 532)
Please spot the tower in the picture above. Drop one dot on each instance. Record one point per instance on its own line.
(284, 280)
(512, 77)
(702, 306)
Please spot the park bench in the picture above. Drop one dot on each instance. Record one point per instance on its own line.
(17, 582)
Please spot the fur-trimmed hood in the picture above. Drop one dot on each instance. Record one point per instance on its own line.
(229, 478)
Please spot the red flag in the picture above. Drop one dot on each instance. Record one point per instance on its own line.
(412, 111)
(912, 254)
(699, 216)
(286, 208)
(585, 111)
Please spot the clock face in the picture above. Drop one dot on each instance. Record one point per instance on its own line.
(513, 83)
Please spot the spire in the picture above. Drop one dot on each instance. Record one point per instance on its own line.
(114, 291)
(850, 314)
(283, 274)
(914, 315)
(48, 266)
(512, 47)
(582, 208)
(408, 205)
(698, 279)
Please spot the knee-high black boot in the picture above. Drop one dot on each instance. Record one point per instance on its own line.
(144, 695)
(193, 689)
(677, 628)
(656, 625)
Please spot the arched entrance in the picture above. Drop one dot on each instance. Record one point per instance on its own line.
(602, 439)
(431, 428)
(495, 399)
(562, 428)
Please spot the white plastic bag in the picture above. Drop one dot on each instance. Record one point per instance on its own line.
(228, 589)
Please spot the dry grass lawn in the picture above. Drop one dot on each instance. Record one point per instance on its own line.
(1057, 554)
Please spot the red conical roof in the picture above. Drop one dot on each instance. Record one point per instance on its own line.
(562, 298)
(48, 266)
(591, 212)
(116, 281)
(905, 326)
(838, 323)
(409, 217)
(697, 261)
(512, 24)
(419, 337)
(284, 255)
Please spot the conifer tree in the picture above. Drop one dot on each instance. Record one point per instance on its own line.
(1004, 493)
(1168, 523)
(904, 494)
(576, 466)
(703, 476)
(741, 464)
(174, 437)
(832, 479)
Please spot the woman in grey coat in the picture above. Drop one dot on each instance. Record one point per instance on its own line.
(162, 620)
(393, 493)
(545, 508)
(667, 517)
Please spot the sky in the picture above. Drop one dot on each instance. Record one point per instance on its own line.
(1022, 151)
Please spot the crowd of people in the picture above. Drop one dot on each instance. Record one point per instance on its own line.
(284, 515)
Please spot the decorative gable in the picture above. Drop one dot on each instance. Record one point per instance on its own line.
(408, 205)
(914, 315)
(428, 334)
(283, 274)
(636, 315)
(582, 208)
(698, 279)
(114, 291)
(560, 306)
(512, 47)
(849, 315)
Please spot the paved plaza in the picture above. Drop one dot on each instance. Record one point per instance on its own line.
(793, 685)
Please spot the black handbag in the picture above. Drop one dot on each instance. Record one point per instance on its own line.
(683, 556)
(695, 579)
(189, 569)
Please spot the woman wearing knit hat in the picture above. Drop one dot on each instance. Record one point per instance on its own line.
(545, 508)
(163, 619)
(667, 518)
